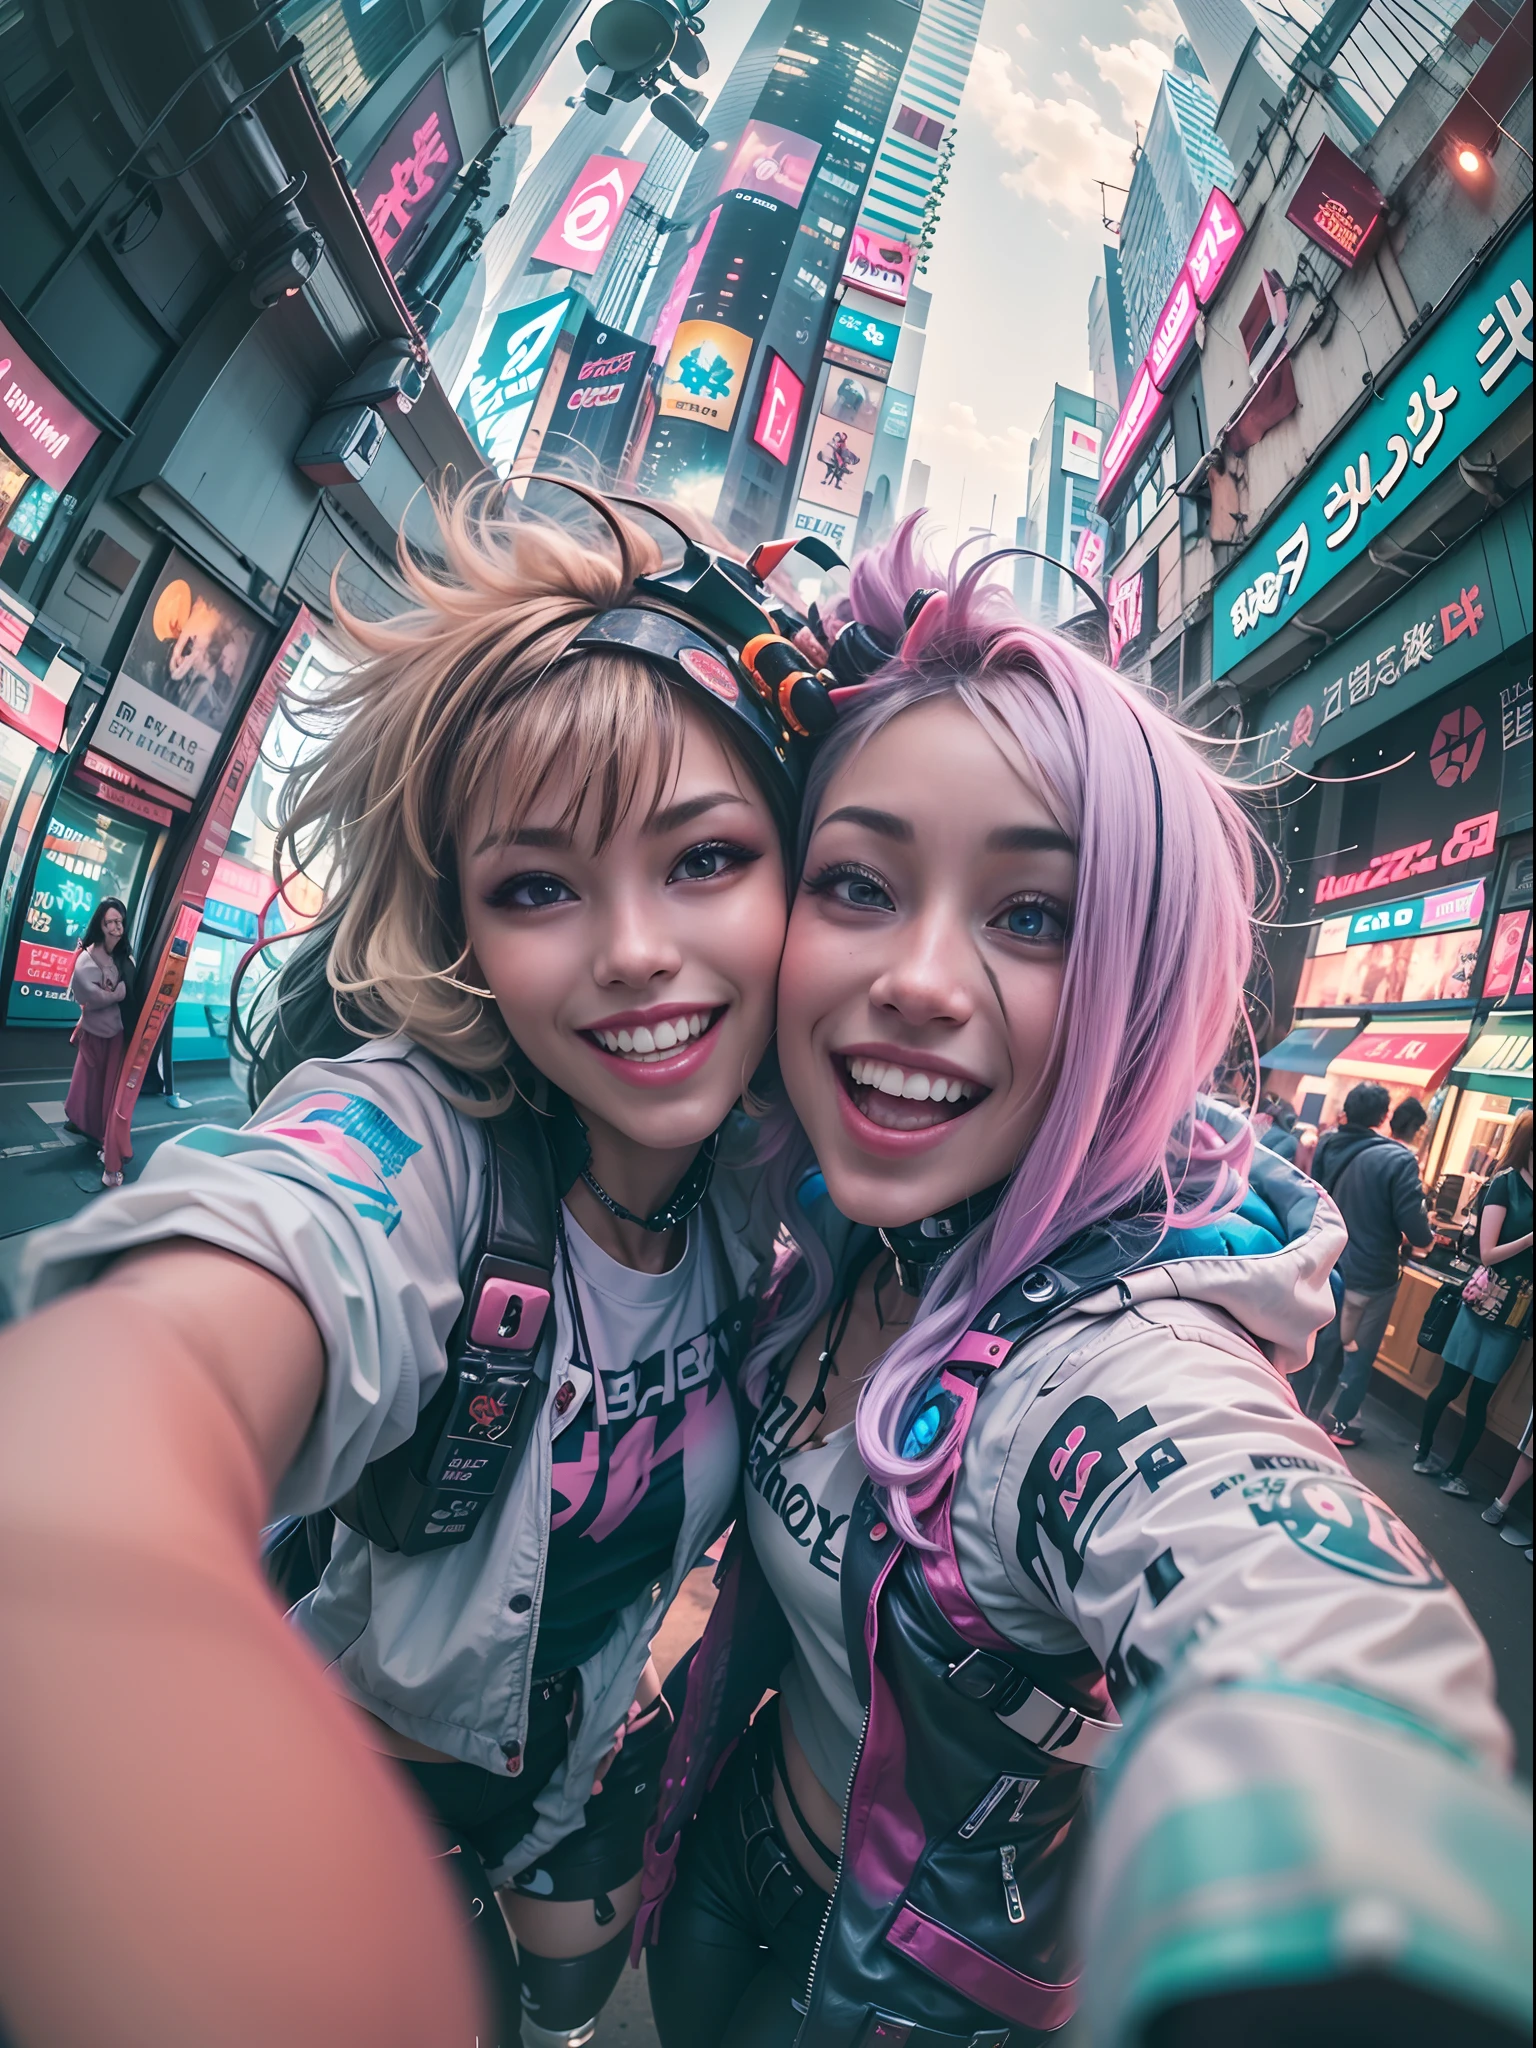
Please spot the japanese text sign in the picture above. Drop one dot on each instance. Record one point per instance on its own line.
(44, 431)
(499, 401)
(779, 410)
(862, 331)
(1335, 204)
(1174, 329)
(409, 172)
(1443, 911)
(1217, 240)
(586, 218)
(1471, 369)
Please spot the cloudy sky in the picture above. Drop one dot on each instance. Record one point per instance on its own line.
(1054, 97)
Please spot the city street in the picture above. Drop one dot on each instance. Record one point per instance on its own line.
(946, 582)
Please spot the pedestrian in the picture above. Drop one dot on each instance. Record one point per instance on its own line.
(559, 822)
(1375, 1182)
(1022, 1456)
(99, 984)
(1281, 1138)
(1498, 1508)
(1494, 1318)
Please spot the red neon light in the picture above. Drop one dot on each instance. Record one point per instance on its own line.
(1171, 335)
(1131, 429)
(1217, 240)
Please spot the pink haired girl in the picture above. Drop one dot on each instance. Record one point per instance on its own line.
(1029, 1505)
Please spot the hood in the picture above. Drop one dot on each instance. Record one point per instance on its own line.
(1266, 1266)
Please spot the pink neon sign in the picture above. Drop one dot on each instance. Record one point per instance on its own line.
(1171, 335)
(780, 408)
(1131, 429)
(1217, 240)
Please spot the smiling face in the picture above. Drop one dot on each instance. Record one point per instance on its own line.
(922, 972)
(111, 929)
(637, 976)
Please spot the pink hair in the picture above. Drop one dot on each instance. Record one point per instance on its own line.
(1152, 990)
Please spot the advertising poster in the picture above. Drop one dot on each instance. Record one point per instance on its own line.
(409, 172)
(1511, 949)
(499, 400)
(706, 369)
(1080, 449)
(603, 380)
(51, 436)
(169, 947)
(864, 334)
(86, 854)
(586, 218)
(190, 657)
(852, 400)
(837, 466)
(773, 161)
(835, 528)
(677, 299)
(1433, 969)
(779, 410)
(881, 264)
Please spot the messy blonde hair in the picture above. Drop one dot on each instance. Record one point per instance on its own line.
(463, 695)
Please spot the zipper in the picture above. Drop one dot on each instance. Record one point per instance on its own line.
(994, 1798)
(1008, 1855)
(821, 1932)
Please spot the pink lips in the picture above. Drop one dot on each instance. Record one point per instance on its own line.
(664, 1073)
(873, 1137)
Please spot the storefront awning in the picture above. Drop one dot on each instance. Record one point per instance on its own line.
(1499, 1061)
(1309, 1049)
(1416, 1051)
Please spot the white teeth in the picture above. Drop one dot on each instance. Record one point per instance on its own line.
(666, 1037)
(646, 1043)
(624, 1042)
(911, 1086)
(645, 1040)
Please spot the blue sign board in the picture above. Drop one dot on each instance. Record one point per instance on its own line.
(869, 335)
(1470, 370)
(500, 399)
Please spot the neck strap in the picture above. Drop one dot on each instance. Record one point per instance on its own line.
(920, 1248)
(682, 1202)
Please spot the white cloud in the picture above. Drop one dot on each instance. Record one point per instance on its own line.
(1160, 21)
(964, 435)
(1063, 145)
(1135, 70)
(1025, 33)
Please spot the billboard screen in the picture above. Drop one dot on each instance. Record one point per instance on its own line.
(87, 853)
(881, 264)
(587, 216)
(1081, 446)
(779, 410)
(499, 400)
(409, 172)
(1336, 205)
(706, 369)
(837, 466)
(51, 436)
(191, 654)
(773, 161)
(1217, 240)
(835, 528)
(1174, 330)
(597, 398)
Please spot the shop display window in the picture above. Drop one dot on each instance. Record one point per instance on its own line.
(1473, 1146)
(1437, 968)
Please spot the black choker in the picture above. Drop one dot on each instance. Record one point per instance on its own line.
(920, 1248)
(684, 1199)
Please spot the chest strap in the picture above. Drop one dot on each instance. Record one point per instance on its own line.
(1030, 1711)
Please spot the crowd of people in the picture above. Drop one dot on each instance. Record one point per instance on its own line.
(1369, 1164)
(749, 1075)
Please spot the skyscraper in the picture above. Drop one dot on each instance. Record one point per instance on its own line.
(926, 106)
(748, 308)
(1063, 485)
(1109, 341)
(1219, 30)
(621, 277)
(1182, 158)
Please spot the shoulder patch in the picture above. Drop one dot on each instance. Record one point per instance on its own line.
(358, 1144)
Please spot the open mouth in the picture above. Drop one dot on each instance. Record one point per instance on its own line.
(648, 1044)
(906, 1098)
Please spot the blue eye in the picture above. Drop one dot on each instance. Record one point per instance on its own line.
(530, 892)
(854, 888)
(715, 858)
(1037, 922)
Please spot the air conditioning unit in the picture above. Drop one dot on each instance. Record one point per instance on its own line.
(340, 445)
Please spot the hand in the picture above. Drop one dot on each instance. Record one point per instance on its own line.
(647, 1692)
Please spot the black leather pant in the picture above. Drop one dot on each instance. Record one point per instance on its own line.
(739, 1928)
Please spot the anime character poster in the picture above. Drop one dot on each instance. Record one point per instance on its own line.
(182, 679)
(837, 468)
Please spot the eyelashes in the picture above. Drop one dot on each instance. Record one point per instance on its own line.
(1033, 918)
(535, 889)
(855, 887)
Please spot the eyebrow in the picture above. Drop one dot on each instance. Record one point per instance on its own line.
(1029, 839)
(559, 838)
(885, 823)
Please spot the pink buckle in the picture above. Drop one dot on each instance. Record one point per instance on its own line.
(975, 1347)
(509, 1315)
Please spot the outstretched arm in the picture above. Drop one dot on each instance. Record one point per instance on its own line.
(183, 1800)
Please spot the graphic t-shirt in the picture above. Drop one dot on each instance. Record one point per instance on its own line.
(798, 1504)
(661, 1344)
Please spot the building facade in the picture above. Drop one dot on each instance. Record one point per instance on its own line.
(1181, 159)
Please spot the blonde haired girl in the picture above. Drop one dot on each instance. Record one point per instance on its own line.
(555, 808)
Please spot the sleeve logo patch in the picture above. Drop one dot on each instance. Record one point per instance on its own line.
(359, 1148)
(1342, 1523)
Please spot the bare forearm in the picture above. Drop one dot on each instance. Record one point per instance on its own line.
(179, 1787)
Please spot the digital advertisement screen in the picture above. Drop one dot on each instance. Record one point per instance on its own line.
(837, 468)
(773, 161)
(499, 400)
(87, 854)
(188, 662)
(584, 223)
(706, 370)
(603, 379)
(779, 410)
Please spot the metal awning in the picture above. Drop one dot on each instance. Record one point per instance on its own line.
(1416, 1051)
(1499, 1059)
(1310, 1048)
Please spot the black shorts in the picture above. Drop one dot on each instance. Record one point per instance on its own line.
(491, 1813)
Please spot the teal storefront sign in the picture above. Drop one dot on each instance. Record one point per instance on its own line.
(1443, 910)
(1468, 372)
(1455, 617)
(870, 336)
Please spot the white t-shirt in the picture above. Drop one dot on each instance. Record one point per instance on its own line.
(798, 1504)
